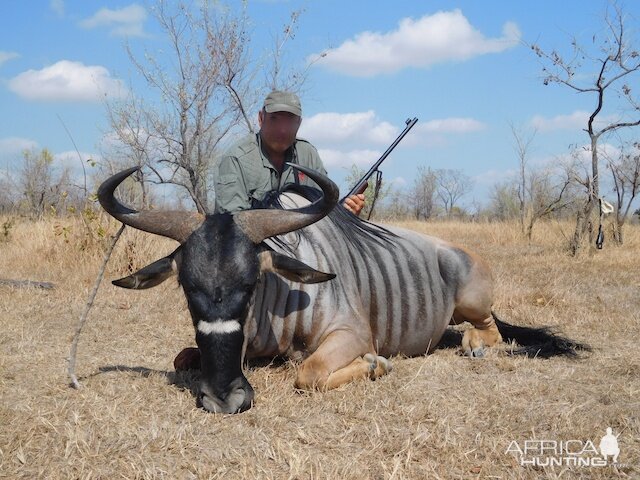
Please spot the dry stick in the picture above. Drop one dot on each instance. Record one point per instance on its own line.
(27, 283)
(83, 318)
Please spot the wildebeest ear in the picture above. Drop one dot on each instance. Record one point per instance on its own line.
(149, 276)
(292, 269)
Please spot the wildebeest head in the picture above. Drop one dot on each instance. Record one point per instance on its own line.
(218, 264)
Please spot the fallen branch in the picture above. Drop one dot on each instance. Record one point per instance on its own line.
(83, 318)
(27, 283)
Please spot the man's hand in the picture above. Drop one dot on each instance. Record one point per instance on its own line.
(355, 203)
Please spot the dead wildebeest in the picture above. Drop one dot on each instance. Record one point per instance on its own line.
(391, 291)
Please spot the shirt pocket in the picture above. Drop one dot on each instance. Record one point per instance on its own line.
(227, 179)
(227, 186)
(229, 195)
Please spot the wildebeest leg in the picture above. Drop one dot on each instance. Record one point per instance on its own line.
(338, 361)
(484, 333)
(473, 304)
(187, 359)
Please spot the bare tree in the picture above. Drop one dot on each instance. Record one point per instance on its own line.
(625, 173)
(208, 86)
(505, 202)
(616, 63)
(451, 186)
(8, 198)
(522, 146)
(423, 193)
(281, 75)
(371, 197)
(135, 145)
(547, 193)
(40, 183)
(397, 206)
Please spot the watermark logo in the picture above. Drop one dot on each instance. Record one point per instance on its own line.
(609, 446)
(566, 453)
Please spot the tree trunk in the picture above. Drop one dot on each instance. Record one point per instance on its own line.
(584, 226)
(530, 228)
(616, 231)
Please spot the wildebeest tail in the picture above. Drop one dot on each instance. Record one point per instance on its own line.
(542, 342)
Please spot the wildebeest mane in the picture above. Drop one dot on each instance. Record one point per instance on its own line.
(358, 232)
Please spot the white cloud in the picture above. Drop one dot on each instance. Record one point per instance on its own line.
(67, 81)
(124, 22)
(14, 145)
(491, 177)
(344, 128)
(336, 158)
(435, 133)
(70, 159)
(398, 182)
(431, 39)
(6, 56)
(11, 149)
(451, 125)
(582, 155)
(573, 121)
(57, 6)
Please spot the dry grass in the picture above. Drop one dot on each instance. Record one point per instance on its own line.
(439, 416)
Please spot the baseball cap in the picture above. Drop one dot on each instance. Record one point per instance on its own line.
(278, 101)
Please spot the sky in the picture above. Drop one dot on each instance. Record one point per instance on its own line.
(463, 68)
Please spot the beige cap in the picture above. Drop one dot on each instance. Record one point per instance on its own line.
(278, 101)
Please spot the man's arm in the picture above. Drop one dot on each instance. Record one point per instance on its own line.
(230, 189)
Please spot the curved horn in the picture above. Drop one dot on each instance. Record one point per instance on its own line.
(264, 223)
(172, 224)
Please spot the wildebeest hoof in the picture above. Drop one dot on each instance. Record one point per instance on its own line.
(386, 365)
(380, 365)
(477, 352)
(373, 361)
(187, 359)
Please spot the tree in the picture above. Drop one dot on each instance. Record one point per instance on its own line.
(39, 182)
(616, 63)
(397, 206)
(547, 193)
(7, 193)
(451, 185)
(522, 145)
(206, 84)
(370, 197)
(423, 193)
(625, 173)
(505, 201)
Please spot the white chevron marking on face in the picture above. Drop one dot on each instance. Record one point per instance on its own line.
(218, 327)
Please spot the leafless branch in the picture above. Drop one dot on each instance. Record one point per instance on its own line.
(71, 361)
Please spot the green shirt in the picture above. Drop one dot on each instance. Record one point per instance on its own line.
(244, 174)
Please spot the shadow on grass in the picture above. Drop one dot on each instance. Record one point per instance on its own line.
(450, 339)
(186, 380)
(189, 379)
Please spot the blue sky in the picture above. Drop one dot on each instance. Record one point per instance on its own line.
(459, 66)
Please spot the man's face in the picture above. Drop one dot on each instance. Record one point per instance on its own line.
(278, 130)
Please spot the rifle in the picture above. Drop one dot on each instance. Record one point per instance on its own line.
(362, 183)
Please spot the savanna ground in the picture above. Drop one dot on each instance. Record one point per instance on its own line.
(438, 416)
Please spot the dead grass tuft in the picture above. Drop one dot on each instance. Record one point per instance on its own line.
(438, 416)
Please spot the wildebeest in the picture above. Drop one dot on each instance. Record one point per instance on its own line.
(354, 294)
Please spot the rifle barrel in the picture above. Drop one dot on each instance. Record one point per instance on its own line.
(360, 185)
